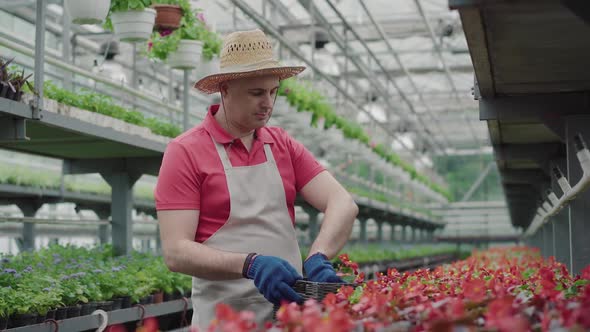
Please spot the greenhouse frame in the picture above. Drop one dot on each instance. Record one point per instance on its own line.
(458, 127)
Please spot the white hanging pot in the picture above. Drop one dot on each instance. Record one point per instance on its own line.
(187, 56)
(134, 25)
(87, 11)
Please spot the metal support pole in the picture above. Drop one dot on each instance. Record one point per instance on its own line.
(561, 221)
(363, 235)
(404, 233)
(121, 205)
(185, 105)
(311, 8)
(392, 234)
(158, 240)
(103, 230)
(39, 56)
(66, 48)
(379, 231)
(548, 239)
(313, 227)
(580, 206)
(29, 209)
(171, 94)
(414, 238)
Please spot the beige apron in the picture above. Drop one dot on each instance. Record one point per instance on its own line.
(259, 221)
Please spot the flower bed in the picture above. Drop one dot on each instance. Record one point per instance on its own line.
(62, 282)
(506, 289)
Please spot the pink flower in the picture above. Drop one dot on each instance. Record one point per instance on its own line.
(165, 32)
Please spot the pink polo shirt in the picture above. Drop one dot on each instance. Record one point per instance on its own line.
(192, 178)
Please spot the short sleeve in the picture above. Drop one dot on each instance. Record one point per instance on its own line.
(304, 163)
(179, 185)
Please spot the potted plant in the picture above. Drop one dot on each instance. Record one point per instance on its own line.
(6, 294)
(183, 48)
(22, 309)
(87, 11)
(12, 81)
(168, 14)
(131, 20)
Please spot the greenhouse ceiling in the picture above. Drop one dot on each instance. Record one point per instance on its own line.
(405, 60)
(400, 68)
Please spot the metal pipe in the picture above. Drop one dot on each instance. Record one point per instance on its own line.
(387, 74)
(66, 47)
(32, 220)
(273, 31)
(442, 60)
(185, 104)
(39, 56)
(403, 67)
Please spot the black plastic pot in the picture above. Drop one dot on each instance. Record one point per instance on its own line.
(104, 305)
(73, 311)
(50, 314)
(168, 297)
(146, 300)
(117, 303)
(19, 320)
(61, 313)
(3, 323)
(126, 302)
(40, 318)
(87, 308)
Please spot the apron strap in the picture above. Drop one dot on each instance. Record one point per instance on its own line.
(225, 158)
(222, 154)
(269, 156)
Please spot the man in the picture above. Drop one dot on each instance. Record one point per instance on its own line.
(226, 191)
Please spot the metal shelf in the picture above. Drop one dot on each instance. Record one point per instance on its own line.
(93, 321)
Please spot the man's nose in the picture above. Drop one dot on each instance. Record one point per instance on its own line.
(267, 101)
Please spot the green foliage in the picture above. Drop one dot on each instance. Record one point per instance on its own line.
(43, 179)
(376, 253)
(460, 172)
(67, 275)
(305, 99)
(99, 103)
(191, 28)
(125, 5)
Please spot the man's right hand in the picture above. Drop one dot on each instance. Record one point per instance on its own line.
(274, 278)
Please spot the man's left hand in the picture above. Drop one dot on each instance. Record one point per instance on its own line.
(319, 269)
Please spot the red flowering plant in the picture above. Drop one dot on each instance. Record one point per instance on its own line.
(502, 289)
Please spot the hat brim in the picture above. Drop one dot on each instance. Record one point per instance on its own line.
(210, 84)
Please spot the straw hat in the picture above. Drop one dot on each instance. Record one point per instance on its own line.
(245, 54)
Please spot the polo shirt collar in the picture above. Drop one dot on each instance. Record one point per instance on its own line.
(220, 135)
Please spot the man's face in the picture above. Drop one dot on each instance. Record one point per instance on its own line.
(249, 101)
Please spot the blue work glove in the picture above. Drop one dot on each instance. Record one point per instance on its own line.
(319, 269)
(274, 278)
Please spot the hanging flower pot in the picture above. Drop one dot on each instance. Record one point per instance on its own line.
(167, 17)
(87, 11)
(187, 56)
(133, 25)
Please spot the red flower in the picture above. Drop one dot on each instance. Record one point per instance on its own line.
(474, 290)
